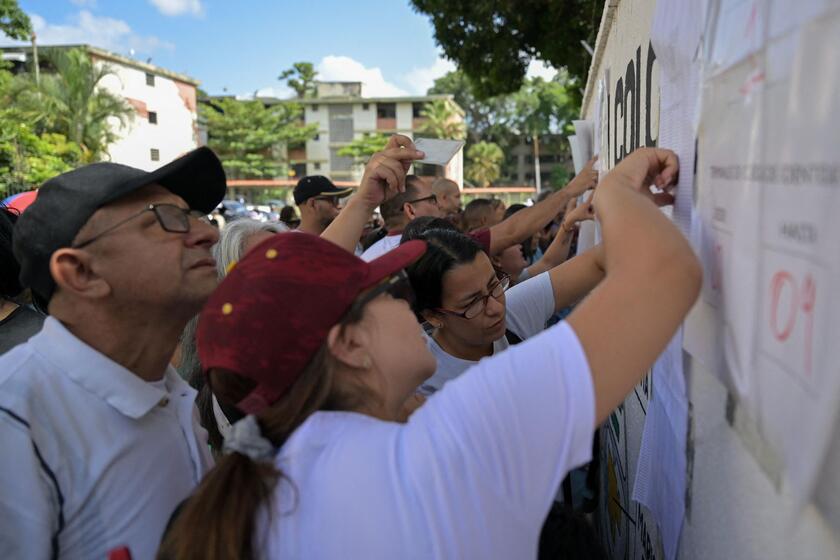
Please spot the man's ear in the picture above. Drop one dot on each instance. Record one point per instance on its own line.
(349, 345)
(408, 210)
(73, 271)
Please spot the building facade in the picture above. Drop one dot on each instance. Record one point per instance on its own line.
(165, 121)
(343, 115)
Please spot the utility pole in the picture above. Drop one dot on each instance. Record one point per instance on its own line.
(537, 176)
(35, 60)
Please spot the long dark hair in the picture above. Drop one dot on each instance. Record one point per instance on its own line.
(446, 250)
(9, 268)
(219, 521)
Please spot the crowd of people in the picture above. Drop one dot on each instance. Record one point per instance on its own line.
(331, 389)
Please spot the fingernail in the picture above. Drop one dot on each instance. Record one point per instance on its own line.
(420, 154)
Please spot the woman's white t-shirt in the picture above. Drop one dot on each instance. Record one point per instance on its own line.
(529, 305)
(471, 475)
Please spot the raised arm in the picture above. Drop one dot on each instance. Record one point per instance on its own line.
(652, 278)
(529, 221)
(384, 177)
(558, 252)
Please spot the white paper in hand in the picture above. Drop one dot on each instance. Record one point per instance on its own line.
(438, 152)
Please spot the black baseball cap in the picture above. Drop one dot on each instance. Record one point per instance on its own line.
(66, 202)
(317, 185)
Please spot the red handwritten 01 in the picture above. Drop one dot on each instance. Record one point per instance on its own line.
(801, 302)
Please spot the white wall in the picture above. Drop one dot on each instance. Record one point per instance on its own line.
(318, 150)
(175, 132)
(405, 117)
(364, 120)
(737, 508)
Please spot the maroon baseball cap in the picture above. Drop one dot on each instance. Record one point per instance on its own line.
(273, 311)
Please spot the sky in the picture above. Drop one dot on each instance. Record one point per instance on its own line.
(240, 47)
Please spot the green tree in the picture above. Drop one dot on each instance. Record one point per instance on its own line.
(493, 41)
(28, 157)
(484, 161)
(486, 119)
(14, 22)
(442, 120)
(365, 146)
(301, 78)
(72, 102)
(250, 138)
(543, 107)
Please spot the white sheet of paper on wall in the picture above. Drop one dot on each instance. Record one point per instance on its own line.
(768, 196)
(438, 152)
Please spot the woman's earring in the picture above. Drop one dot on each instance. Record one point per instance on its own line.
(366, 362)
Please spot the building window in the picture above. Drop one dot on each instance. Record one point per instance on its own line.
(365, 106)
(155, 154)
(317, 166)
(386, 110)
(417, 109)
(150, 79)
(152, 117)
(314, 107)
(317, 137)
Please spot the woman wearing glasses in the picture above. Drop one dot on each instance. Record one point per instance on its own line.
(459, 294)
(319, 468)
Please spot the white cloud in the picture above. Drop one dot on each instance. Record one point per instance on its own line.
(538, 68)
(86, 28)
(345, 69)
(178, 7)
(84, 3)
(420, 79)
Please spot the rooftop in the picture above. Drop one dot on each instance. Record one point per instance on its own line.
(106, 55)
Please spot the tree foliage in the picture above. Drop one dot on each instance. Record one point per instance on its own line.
(484, 161)
(544, 107)
(442, 120)
(250, 138)
(13, 21)
(28, 156)
(301, 78)
(538, 108)
(73, 102)
(485, 118)
(365, 146)
(493, 41)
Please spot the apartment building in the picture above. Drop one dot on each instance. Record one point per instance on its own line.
(165, 124)
(342, 115)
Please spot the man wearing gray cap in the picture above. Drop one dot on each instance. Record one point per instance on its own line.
(100, 436)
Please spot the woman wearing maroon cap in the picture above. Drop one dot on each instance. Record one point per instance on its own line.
(319, 468)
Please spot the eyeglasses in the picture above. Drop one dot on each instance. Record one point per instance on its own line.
(479, 304)
(397, 285)
(431, 198)
(171, 218)
(333, 200)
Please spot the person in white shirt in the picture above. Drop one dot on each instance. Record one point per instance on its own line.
(101, 439)
(417, 200)
(319, 468)
(460, 294)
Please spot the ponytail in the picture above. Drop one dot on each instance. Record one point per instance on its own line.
(218, 521)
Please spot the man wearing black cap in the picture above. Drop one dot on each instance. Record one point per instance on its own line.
(100, 437)
(317, 197)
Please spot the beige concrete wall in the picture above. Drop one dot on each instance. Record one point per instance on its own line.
(735, 508)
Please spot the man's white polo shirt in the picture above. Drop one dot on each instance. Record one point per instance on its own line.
(387, 243)
(93, 457)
